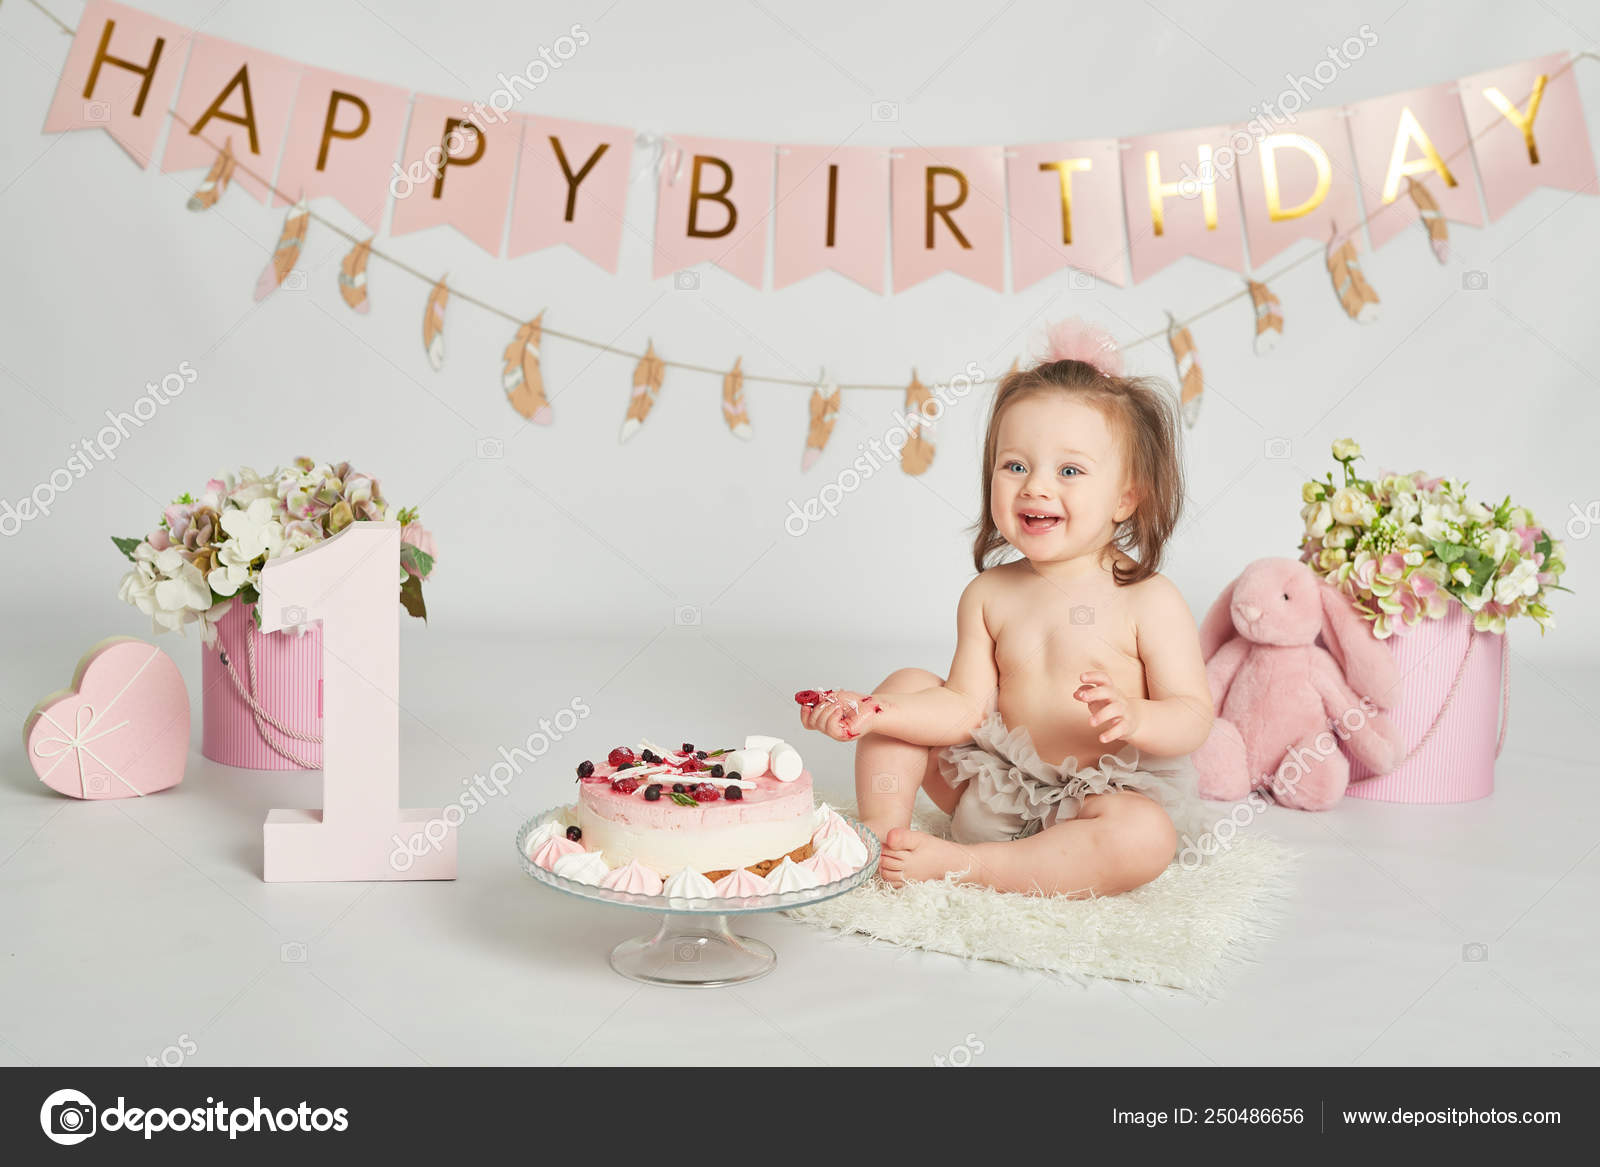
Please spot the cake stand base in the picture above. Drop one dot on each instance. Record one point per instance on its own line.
(693, 951)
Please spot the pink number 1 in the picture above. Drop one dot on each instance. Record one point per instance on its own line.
(350, 583)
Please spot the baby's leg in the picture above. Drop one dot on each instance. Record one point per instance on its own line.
(1119, 841)
(889, 771)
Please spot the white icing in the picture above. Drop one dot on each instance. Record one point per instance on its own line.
(582, 866)
(741, 882)
(846, 847)
(689, 884)
(790, 876)
(542, 834)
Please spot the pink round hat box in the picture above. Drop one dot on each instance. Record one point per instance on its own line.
(288, 685)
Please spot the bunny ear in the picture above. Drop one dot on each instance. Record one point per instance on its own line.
(1366, 661)
(1217, 629)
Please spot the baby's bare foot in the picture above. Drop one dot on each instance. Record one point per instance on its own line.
(910, 856)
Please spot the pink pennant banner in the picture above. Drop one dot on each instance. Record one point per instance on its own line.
(237, 96)
(572, 188)
(458, 164)
(1180, 191)
(1422, 135)
(1066, 210)
(1297, 183)
(1528, 130)
(343, 137)
(832, 213)
(712, 201)
(119, 77)
(949, 214)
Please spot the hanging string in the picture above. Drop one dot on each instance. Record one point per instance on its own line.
(665, 152)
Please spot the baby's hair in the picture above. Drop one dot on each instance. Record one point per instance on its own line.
(1143, 411)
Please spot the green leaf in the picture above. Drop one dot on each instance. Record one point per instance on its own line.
(1543, 545)
(415, 560)
(411, 597)
(682, 799)
(126, 546)
(1449, 552)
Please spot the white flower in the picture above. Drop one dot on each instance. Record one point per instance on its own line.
(253, 532)
(1497, 543)
(1461, 575)
(138, 587)
(1405, 507)
(1346, 450)
(1352, 508)
(1319, 517)
(1521, 580)
(1477, 512)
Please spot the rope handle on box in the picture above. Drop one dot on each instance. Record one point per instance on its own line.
(1461, 671)
(257, 712)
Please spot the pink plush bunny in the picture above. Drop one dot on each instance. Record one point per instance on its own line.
(1284, 701)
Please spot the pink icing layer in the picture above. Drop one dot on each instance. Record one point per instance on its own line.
(770, 801)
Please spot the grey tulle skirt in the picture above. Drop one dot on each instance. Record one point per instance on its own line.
(1009, 792)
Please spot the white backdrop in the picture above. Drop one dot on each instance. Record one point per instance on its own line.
(110, 282)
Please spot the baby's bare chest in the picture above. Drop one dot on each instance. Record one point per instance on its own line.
(1044, 636)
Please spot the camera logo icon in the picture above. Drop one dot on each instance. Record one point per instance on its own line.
(97, 111)
(1278, 449)
(491, 448)
(1474, 953)
(294, 952)
(295, 281)
(98, 784)
(294, 614)
(885, 111)
(68, 1117)
(1080, 281)
(1081, 614)
(1474, 281)
(686, 616)
(686, 281)
(885, 783)
(686, 951)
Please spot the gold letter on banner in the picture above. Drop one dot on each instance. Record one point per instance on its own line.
(574, 179)
(329, 133)
(1523, 121)
(943, 210)
(1065, 167)
(720, 196)
(451, 126)
(1410, 131)
(1269, 174)
(241, 80)
(103, 57)
(1161, 190)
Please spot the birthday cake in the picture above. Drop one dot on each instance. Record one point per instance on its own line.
(694, 823)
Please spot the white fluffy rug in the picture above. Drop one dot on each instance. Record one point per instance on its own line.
(1184, 930)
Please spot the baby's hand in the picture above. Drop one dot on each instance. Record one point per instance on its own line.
(841, 714)
(1110, 707)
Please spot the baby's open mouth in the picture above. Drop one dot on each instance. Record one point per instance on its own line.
(1036, 523)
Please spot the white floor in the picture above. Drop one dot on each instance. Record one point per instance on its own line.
(141, 929)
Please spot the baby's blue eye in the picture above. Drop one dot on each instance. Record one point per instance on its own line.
(1015, 467)
(1070, 471)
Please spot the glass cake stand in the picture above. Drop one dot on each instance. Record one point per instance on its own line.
(693, 947)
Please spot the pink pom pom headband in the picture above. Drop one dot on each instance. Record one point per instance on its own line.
(1074, 339)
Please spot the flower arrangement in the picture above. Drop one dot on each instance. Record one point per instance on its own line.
(1403, 544)
(209, 549)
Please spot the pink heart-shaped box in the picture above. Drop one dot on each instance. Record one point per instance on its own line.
(121, 730)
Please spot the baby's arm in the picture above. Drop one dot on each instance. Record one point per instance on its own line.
(1176, 716)
(945, 715)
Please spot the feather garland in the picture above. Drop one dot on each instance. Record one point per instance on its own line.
(1432, 219)
(1356, 296)
(284, 255)
(917, 455)
(1191, 379)
(824, 412)
(216, 180)
(523, 379)
(1269, 317)
(733, 409)
(433, 324)
(353, 277)
(647, 377)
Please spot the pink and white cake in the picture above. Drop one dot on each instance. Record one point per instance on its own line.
(695, 823)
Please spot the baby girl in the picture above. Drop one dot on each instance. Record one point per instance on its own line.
(1059, 742)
